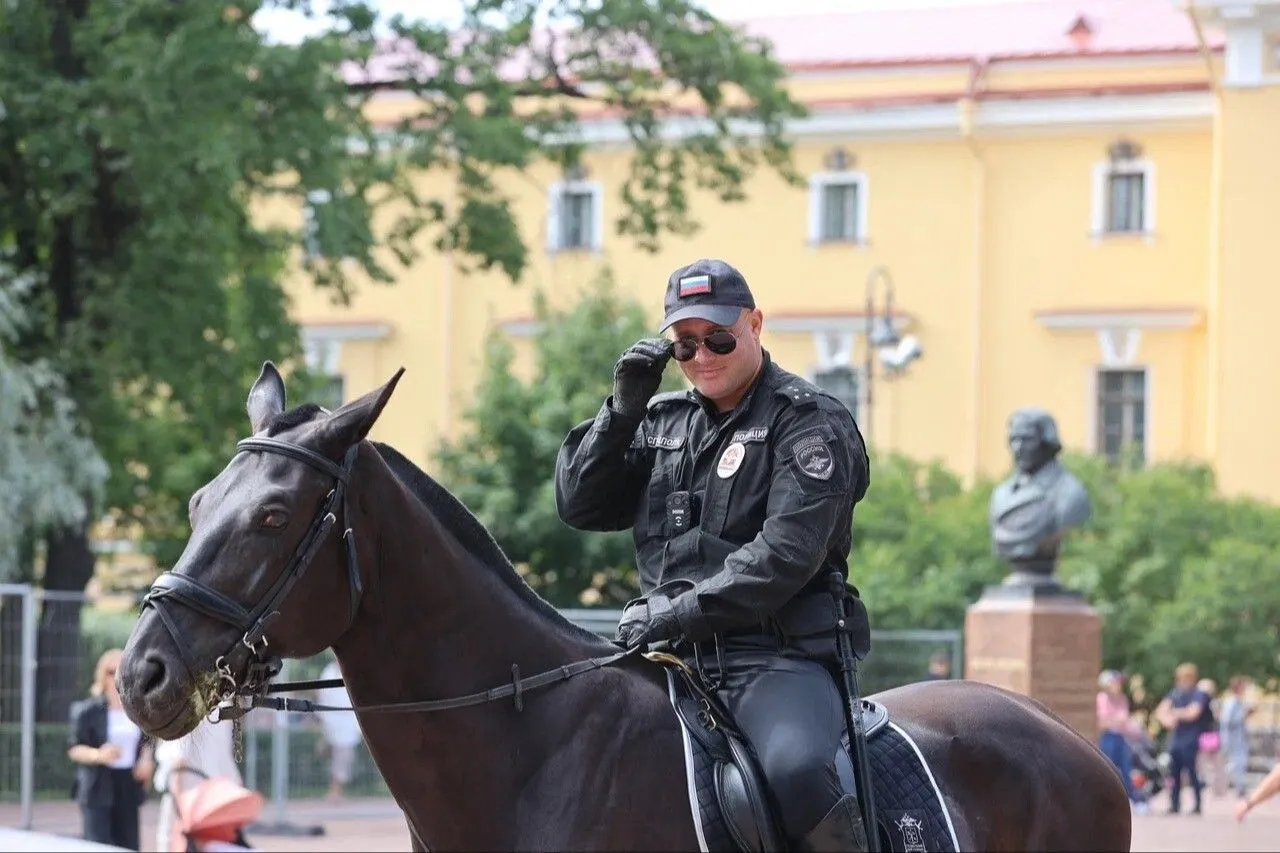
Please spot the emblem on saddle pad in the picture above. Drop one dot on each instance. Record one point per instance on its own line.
(912, 829)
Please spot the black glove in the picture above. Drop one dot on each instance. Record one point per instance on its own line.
(644, 622)
(638, 374)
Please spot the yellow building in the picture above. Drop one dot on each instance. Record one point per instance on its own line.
(1074, 201)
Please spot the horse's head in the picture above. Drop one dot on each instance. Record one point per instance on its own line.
(267, 573)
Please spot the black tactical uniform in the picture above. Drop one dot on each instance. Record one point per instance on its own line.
(739, 518)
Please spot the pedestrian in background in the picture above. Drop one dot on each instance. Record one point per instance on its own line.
(1232, 723)
(114, 761)
(1182, 712)
(341, 732)
(1114, 724)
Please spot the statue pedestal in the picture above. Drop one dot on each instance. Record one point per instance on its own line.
(1041, 640)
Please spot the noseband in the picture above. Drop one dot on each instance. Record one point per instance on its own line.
(259, 667)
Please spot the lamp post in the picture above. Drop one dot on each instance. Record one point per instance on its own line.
(894, 352)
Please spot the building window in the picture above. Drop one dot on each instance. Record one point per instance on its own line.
(575, 216)
(331, 392)
(1122, 415)
(313, 213)
(841, 382)
(838, 208)
(1124, 202)
(1124, 198)
(322, 358)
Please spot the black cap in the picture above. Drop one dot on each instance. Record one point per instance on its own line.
(707, 289)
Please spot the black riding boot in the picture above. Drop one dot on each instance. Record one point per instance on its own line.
(840, 830)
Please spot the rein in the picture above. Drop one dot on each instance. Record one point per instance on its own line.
(233, 698)
(516, 688)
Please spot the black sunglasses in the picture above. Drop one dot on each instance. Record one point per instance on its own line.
(720, 342)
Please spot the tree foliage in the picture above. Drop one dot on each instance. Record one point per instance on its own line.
(51, 472)
(137, 135)
(503, 467)
(1177, 571)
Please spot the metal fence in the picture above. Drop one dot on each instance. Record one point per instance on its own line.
(44, 634)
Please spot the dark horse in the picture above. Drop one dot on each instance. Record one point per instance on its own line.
(419, 603)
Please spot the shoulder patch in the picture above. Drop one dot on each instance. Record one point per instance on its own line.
(814, 456)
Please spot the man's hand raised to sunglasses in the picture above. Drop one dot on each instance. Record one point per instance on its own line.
(638, 374)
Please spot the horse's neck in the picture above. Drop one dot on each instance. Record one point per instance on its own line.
(435, 624)
(435, 618)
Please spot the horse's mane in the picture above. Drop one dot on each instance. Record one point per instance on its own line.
(474, 537)
(297, 416)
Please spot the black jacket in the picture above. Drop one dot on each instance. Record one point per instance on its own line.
(771, 489)
(92, 786)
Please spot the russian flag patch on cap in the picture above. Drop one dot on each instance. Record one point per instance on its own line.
(692, 285)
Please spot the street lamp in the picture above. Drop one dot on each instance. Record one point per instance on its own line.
(895, 353)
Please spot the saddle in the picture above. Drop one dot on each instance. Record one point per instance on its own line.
(734, 806)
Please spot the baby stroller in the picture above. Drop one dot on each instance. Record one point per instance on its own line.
(210, 817)
(1149, 769)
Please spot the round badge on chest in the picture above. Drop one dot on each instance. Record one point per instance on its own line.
(731, 460)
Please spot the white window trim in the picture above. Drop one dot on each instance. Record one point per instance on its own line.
(1148, 421)
(1098, 211)
(311, 247)
(836, 345)
(820, 181)
(323, 355)
(554, 195)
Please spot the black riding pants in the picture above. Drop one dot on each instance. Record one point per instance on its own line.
(790, 710)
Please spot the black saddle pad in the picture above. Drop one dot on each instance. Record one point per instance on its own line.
(910, 809)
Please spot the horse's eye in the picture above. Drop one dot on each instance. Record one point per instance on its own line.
(273, 518)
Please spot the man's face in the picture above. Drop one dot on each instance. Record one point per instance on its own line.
(1028, 448)
(723, 379)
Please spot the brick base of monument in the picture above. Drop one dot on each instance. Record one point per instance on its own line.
(1048, 647)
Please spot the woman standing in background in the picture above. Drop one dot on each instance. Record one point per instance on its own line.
(1235, 733)
(1113, 723)
(114, 759)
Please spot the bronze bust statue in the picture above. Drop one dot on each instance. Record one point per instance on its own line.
(1034, 509)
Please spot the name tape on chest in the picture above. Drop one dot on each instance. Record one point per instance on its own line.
(665, 442)
(752, 434)
(814, 457)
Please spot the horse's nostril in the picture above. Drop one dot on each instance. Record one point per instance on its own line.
(154, 675)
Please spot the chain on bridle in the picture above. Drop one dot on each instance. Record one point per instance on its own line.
(231, 698)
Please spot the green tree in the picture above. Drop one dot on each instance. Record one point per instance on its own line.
(51, 472)
(1177, 571)
(135, 136)
(503, 468)
(921, 552)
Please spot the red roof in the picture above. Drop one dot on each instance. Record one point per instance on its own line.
(982, 30)
(1031, 29)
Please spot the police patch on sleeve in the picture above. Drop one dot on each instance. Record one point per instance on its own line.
(814, 457)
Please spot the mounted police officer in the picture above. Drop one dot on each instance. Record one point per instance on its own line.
(740, 495)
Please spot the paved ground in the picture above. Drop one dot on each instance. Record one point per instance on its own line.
(366, 825)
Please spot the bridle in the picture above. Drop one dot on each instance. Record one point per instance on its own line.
(259, 666)
(232, 698)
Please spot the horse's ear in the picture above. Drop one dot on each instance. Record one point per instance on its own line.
(266, 397)
(351, 423)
